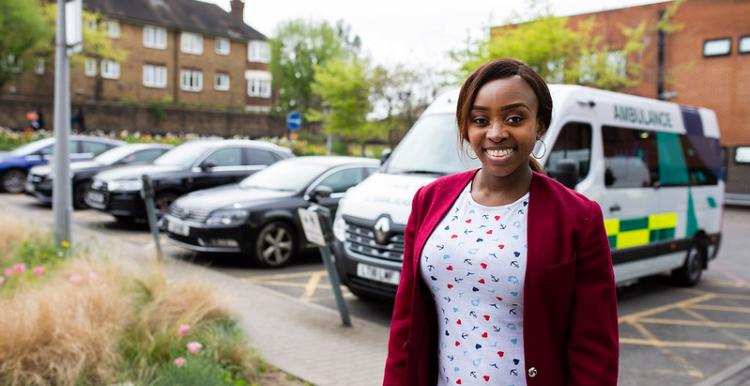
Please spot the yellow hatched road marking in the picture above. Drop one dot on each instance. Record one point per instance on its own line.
(726, 333)
(692, 371)
(285, 275)
(657, 310)
(682, 344)
(694, 323)
(709, 307)
(311, 286)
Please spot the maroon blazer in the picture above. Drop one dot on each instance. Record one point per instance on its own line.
(570, 307)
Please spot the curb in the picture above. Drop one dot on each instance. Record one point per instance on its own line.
(725, 374)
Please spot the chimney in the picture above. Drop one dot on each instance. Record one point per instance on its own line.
(238, 10)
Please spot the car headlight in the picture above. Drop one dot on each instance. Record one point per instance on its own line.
(228, 217)
(339, 227)
(125, 185)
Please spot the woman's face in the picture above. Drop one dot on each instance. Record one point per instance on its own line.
(503, 125)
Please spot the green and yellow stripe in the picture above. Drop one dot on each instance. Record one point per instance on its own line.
(633, 232)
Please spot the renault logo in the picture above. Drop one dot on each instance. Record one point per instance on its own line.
(382, 227)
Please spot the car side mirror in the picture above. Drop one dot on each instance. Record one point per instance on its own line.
(320, 191)
(385, 155)
(566, 172)
(207, 166)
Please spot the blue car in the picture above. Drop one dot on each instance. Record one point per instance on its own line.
(15, 165)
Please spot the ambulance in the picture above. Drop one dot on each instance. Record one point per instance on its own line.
(654, 167)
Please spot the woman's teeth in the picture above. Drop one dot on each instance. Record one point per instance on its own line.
(499, 152)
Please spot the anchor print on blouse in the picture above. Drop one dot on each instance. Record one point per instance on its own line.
(474, 263)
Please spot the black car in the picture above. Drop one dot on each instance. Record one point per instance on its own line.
(194, 165)
(39, 180)
(258, 217)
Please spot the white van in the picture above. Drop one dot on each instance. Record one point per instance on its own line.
(654, 167)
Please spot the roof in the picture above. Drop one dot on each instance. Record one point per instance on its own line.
(184, 15)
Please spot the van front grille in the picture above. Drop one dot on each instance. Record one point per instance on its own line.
(360, 239)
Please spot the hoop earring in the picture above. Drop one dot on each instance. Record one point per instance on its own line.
(470, 157)
(536, 148)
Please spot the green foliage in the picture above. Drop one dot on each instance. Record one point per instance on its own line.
(297, 48)
(561, 53)
(21, 29)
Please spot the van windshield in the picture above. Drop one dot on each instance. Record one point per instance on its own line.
(430, 147)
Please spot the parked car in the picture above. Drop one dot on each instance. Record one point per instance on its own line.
(15, 165)
(39, 181)
(194, 165)
(258, 217)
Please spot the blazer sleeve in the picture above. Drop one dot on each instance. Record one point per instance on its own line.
(593, 343)
(398, 342)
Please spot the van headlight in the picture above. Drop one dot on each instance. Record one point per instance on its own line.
(125, 185)
(228, 217)
(339, 227)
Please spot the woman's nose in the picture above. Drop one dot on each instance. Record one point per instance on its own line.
(496, 131)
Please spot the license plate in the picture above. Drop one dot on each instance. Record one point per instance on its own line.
(178, 228)
(30, 187)
(95, 197)
(382, 275)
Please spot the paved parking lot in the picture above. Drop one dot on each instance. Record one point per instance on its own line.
(669, 336)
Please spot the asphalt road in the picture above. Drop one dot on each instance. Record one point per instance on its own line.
(669, 336)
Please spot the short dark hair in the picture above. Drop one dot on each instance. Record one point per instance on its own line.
(500, 69)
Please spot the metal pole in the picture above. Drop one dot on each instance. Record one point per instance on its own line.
(324, 214)
(61, 200)
(147, 192)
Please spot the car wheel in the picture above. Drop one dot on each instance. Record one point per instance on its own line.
(690, 273)
(79, 196)
(163, 201)
(13, 181)
(274, 245)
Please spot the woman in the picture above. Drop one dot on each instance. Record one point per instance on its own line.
(507, 276)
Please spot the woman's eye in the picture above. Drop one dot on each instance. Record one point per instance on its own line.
(516, 119)
(479, 121)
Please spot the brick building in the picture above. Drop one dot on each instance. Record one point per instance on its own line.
(706, 63)
(196, 63)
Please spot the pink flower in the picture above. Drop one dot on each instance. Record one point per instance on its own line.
(179, 362)
(19, 267)
(39, 271)
(75, 278)
(183, 330)
(8, 272)
(194, 347)
(93, 276)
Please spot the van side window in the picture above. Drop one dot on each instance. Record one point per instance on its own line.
(703, 159)
(630, 158)
(572, 143)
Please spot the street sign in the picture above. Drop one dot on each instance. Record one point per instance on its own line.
(311, 226)
(74, 26)
(293, 121)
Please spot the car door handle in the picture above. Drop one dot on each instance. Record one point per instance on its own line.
(614, 208)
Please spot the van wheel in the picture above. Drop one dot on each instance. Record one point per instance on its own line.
(690, 273)
(274, 245)
(13, 181)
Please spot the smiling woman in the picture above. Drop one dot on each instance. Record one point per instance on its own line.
(507, 274)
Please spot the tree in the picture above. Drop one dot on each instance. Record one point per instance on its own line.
(562, 54)
(344, 89)
(297, 49)
(21, 29)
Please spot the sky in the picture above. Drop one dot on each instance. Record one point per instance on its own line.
(416, 33)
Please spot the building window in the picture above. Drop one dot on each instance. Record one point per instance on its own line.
(154, 76)
(191, 43)
(110, 69)
(258, 83)
(91, 24)
(154, 37)
(89, 67)
(112, 29)
(39, 66)
(717, 47)
(221, 82)
(617, 63)
(742, 155)
(191, 80)
(744, 46)
(12, 64)
(258, 51)
(221, 46)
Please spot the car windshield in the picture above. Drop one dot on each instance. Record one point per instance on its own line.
(290, 175)
(430, 147)
(111, 156)
(183, 156)
(32, 147)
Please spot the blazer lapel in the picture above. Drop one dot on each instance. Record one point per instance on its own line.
(434, 209)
